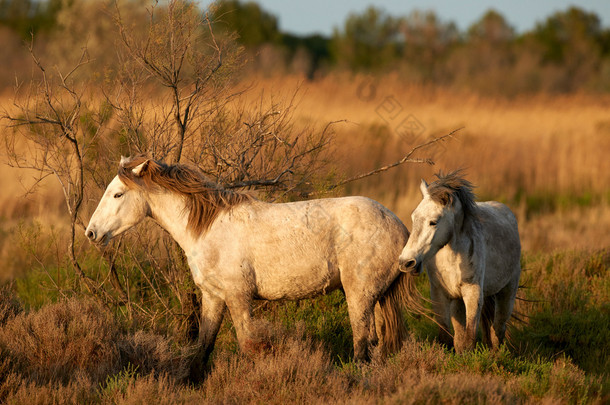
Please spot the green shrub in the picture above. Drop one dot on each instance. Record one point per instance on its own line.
(571, 308)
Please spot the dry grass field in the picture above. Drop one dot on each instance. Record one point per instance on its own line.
(545, 156)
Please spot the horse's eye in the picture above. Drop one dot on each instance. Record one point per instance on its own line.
(118, 195)
(433, 223)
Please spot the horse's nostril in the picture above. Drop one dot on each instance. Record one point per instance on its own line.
(90, 234)
(410, 263)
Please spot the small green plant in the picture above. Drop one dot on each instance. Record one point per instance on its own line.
(116, 385)
(325, 318)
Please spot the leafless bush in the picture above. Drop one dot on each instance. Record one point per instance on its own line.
(169, 100)
(50, 124)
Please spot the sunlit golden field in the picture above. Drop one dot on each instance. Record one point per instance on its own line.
(285, 117)
(544, 156)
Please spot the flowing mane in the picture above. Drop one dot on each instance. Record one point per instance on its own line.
(204, 198)
(454, 185)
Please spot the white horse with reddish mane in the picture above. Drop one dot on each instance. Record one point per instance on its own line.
(471, 251)
(240, 249)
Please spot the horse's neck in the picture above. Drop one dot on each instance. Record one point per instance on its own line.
(170, 212)
(465, 231)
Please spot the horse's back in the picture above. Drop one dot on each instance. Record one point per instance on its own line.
(497, 216)
(501, 235)
(353, 227)
(300, 249)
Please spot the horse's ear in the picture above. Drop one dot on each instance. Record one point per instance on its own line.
(124, 161)
(140, 169)
(423, 187)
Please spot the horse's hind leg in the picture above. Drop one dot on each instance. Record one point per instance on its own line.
(363, 324)
(487, 319)
(377, 326)
(505, 300)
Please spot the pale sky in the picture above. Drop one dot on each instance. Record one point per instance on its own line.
(321, 16)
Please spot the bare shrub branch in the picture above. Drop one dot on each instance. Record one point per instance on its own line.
(49, 119)
(182, 54)
(405, 159)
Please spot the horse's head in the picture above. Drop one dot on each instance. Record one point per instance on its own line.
(120, 208)
(433, 226)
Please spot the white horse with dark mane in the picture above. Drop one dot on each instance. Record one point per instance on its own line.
(240, 249)
(471, 252)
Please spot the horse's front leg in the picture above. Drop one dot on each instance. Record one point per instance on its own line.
(473, 302)
(240, 307)
(212, 312)
(441, 305)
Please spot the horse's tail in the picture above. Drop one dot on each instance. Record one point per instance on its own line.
(401, 293)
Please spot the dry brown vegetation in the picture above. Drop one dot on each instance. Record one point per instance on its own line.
(93, 367)
(128, 340)
(545, 157)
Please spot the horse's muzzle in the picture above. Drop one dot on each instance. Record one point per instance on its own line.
(91, 235)
(411, 266)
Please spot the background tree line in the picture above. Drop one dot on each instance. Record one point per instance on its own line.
(568, 51)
